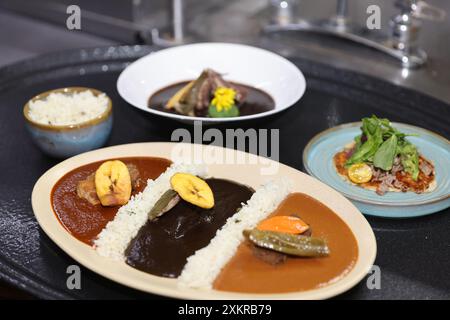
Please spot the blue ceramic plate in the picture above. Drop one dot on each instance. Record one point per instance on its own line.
(318, 162)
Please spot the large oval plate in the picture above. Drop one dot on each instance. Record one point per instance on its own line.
(318, 161)
(248, 65)
(248, 173)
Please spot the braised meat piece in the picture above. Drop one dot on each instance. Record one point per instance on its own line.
(134, 175)
(268, 256)
(86, 188)
(196, 97)
(217, 81)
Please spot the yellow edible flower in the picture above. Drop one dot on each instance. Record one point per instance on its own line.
(223, 98)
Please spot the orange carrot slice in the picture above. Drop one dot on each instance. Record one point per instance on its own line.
(285, 224)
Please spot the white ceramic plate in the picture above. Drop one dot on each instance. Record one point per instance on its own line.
(244, 173)
(247, 65)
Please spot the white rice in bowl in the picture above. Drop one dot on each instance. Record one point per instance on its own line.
(61, 109)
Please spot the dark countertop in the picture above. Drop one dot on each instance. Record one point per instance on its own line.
(9, 292)
(412, 253)
(18, 43)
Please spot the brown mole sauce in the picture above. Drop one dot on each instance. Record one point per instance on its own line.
(162, 246)
(257, 101)
(84, 220)
(246, 273)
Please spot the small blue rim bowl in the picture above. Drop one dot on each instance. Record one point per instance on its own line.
(68, 140)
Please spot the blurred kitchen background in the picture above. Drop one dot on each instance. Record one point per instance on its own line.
(28, 28)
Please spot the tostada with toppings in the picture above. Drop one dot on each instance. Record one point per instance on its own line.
(382, 159)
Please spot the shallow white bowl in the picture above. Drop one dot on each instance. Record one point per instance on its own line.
(243, 64)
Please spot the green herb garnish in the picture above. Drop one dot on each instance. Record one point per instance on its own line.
(232, 111)
(384, 157)
(379, 145)
(409, 158)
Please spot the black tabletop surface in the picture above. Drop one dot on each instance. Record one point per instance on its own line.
(413, 254)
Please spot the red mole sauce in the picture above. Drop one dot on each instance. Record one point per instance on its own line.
(246, 273)
(84, 220)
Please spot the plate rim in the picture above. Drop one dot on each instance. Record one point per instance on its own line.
(179, 117)
(64, 240)
(325, 132)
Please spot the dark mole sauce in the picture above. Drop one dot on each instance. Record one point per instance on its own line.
(162, 246)
(257, 101)
(84, 220)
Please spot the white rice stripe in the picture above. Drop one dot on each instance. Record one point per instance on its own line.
(115, 237)
(205, 264)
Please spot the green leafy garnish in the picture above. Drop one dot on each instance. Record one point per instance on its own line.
(367, 149)
(409, 158)
(379, 145)
(384, 157)
(232, 111)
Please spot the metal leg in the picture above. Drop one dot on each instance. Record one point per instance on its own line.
(178, 21)
(177, 27)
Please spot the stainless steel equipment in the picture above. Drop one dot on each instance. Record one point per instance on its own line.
(401, 43)
(176, 36)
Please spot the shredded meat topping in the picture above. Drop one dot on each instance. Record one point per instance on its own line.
(395, 178)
